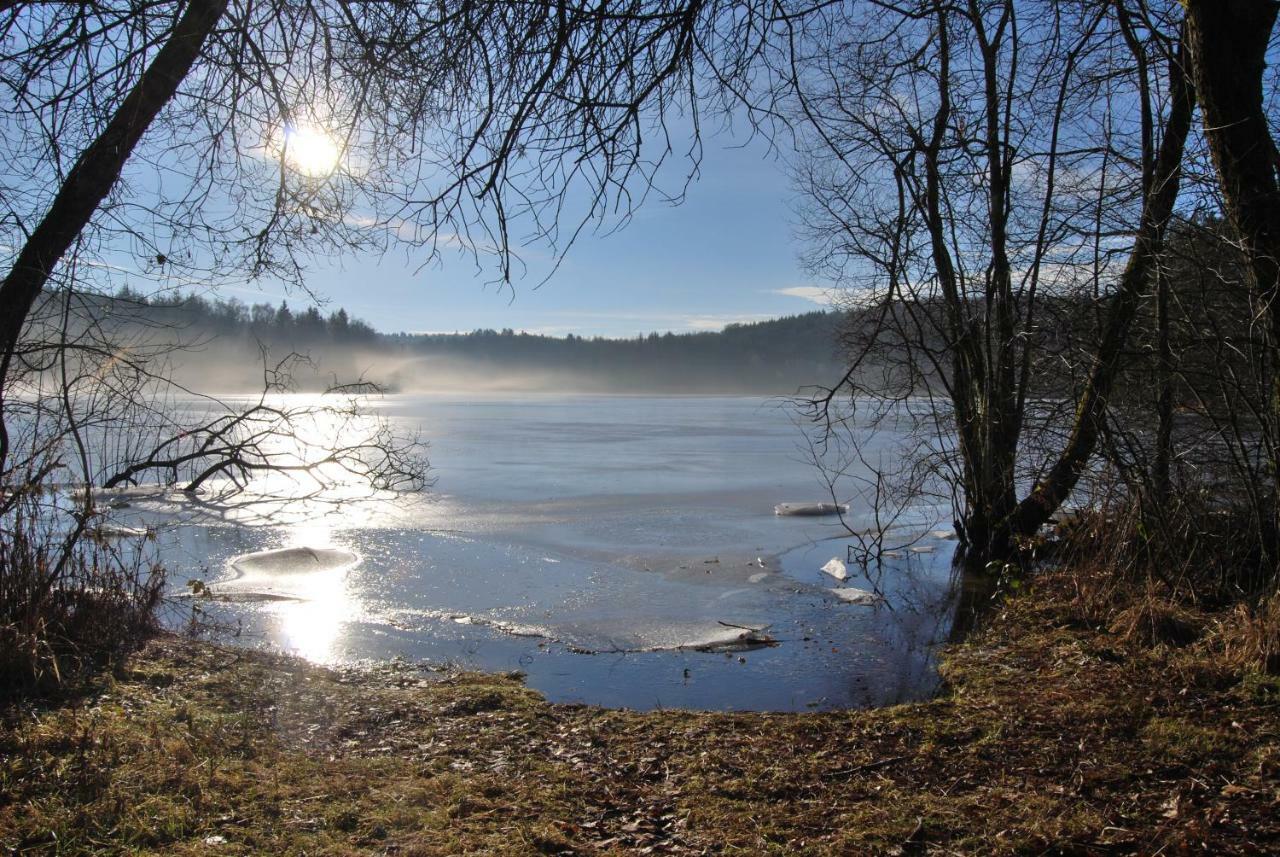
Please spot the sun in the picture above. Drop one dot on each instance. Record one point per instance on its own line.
(310, 151)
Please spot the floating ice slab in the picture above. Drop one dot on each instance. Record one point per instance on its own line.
(228, 592)
(298, 560)
(703, 636)
(836, 568)
(288, 574)
(942, 534)
(731, 638)
(809, 509)
(112, 531)
(853, 595)
(1065, 516)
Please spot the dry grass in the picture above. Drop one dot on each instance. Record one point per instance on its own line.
(1055, 737)
(68, 605)
(1153, 619)
(1251, 636)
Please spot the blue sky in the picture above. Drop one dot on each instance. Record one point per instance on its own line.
(726, 254)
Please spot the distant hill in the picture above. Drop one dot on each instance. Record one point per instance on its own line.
(776, 357)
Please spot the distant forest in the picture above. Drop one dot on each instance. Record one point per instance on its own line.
(778, 356)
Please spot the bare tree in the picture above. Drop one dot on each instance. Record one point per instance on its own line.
(1208, 474)
(975, 169)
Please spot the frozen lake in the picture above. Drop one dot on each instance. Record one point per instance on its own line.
(600, 545)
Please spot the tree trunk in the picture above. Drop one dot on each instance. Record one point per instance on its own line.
(1228, 40)
(91, 178)
(1161, 480)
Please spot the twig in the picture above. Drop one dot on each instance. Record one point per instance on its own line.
(869, 766)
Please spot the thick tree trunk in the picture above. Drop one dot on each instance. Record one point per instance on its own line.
(91, 179)
(1228, 40)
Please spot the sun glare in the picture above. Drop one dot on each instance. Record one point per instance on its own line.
(310, 151)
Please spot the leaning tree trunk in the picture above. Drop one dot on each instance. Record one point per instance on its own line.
(1228, 40)
(1061, 478)
(91, 178)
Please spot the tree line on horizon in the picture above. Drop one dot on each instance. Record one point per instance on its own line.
(776, 356)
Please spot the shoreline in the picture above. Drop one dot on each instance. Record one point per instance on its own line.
(1053, 734)
(721, 655)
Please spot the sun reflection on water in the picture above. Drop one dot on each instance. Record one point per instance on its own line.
(311, 628)
(312, 625)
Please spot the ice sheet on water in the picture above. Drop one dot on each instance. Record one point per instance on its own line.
(604, 553)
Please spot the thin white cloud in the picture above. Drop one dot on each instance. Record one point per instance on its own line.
(814, 294)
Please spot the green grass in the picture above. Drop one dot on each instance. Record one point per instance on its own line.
(1054, 737)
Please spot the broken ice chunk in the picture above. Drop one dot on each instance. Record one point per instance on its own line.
(836, 568)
